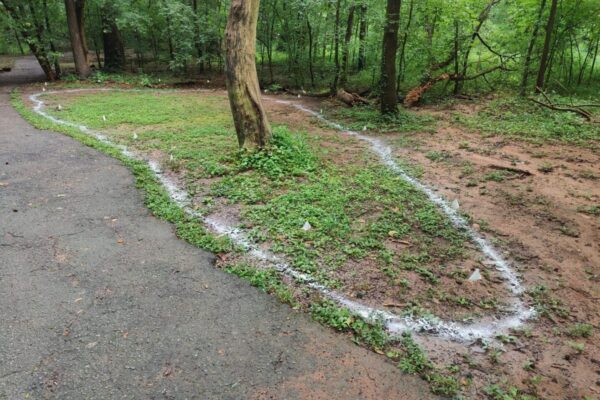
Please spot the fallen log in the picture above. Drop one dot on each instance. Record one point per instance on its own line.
(351, 99)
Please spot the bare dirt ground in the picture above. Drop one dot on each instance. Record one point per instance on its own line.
(540, 202)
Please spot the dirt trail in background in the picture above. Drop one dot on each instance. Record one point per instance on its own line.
(101, 300)
(540, 202)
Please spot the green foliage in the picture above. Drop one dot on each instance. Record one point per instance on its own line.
(497, 392)
(580, 330)
(371, 334)
(546, 305)
(286, 155)
(367, 117)
(267, 280)
(523, 119)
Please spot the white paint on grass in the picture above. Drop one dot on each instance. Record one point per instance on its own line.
(485, 328)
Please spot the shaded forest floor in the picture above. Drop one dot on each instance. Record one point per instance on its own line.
(375, 239)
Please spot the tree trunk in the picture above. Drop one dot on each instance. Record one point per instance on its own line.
(346, 51)
(362, 36)
(594, 60)
(389, 97)
(534, 35)
(80, 11)
(251, 123)
(310, 52)
(81, 65)
(547, 41)
(401, 63)
(336, 48)
(114, 51)
(53, 49)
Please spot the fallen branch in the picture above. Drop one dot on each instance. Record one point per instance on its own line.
(511, 169)
(350, 99)
(414, 96)
(552, 106)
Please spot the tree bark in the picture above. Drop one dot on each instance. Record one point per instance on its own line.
(114, 51)
(389, 97)
(547, 41)
(336, 48)
(401, 63)
(81, 65)
(251, 123)
(362, 36)
(534, 35)
(346, 51)
(80, 11)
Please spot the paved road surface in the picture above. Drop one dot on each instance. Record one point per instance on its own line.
(100, 300)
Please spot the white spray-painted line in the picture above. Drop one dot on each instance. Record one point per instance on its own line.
(395, 324)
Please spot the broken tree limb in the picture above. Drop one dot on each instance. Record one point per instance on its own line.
(415, 95)
(350, 99)
(578, 111)
(511, 169)
(556, 107)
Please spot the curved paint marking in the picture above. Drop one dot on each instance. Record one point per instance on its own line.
(395, 324)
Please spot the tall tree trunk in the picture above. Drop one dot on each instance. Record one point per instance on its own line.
(547, 41)
(594, 59)
(80, 11)
(362, 36)
(336, 48)
(251, 123)
(310, 52)
(401, 63)
(114, 51)
(53, 49)
(389, 97)
(197, 34)
(534, 35)
(346, 51)
(81, 65)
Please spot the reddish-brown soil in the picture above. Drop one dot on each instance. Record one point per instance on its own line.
(538, 218)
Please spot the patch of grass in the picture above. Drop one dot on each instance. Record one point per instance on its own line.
(438, 156)
(520, 118)
(580, 330)
(267, 280)
(578, 347)
(496, 176)
(498, 392)
(359, 118)
(413, 360)
(546, 168)
(546, 305)
(591, 210)
(371, 334)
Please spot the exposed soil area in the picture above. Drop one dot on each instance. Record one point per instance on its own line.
(542, 204)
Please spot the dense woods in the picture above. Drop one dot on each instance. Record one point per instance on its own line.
(451, 47)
